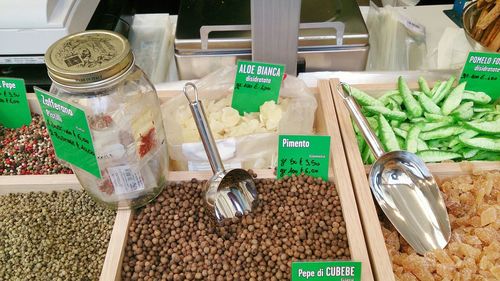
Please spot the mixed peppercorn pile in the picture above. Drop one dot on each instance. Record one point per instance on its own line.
(28, 151)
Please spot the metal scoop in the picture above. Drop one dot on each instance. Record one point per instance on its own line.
(405, 190)
(228, 194)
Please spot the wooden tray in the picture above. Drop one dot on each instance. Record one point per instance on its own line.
(325, 123)
(381, 264)
(49, 183)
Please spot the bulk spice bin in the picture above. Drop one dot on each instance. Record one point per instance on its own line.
(338, 171)
(23, 184)
(323, 124)
(54, 225)
(445, 171)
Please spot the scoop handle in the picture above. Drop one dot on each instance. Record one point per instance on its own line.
(204, 130)
(359, 118)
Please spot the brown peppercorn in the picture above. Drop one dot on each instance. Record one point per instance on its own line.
(287, 225)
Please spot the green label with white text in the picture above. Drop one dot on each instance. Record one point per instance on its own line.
(326, 271)
(299, 154)
(14, 109)
(69, 131)
(482, 73)
(256, 83)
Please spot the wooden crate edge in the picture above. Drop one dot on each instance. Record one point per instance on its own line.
(381, 263)
(441, 171)
(344, 185)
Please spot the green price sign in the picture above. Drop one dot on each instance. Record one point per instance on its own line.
(69, 131)
(326, 271)
(14, 108)
(256, 83)
(482, 73)
(299, 154)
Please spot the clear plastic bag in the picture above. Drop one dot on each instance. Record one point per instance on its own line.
(152, 39)
(396, 42)
(398, 3)
(257, 150)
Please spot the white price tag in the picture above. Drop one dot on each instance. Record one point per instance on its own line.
(412, 25)
(195, 151)
(125, 179)
(205, 166)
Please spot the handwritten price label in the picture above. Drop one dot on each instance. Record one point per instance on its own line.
(482, 73)
(303, 154)
(256, 83)
(69, 131)
(14, 108)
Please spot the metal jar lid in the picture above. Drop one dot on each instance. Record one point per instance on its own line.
(88, 58)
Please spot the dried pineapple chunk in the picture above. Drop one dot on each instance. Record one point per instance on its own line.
(496, 271)
(473, 252)
(488, 216)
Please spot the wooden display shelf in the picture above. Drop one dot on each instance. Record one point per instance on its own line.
(325, 124)
(381, 264)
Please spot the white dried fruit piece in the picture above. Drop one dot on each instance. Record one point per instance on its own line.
(220, 104)
(253, 125)
(217, 115)
(233, 124)
(239, 130)
(216, 127)
(270, 114)
(183, 114)
(230, 117)
(488, 216)
(250, 116)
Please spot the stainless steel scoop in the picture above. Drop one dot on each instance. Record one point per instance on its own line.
(228, 194)
(405, 190)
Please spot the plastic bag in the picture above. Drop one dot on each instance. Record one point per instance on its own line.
(152, 39)
(255, 151)
(398, 3)
(396, 42)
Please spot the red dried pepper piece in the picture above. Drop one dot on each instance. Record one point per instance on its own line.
(147, 142)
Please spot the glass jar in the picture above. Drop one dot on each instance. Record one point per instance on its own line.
(95, 71)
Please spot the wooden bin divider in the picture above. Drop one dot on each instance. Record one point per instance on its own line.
(381, 263)
(343, 182)
(325, 123)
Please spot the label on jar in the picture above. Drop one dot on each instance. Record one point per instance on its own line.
(69, 132)
(14, 108)
(303, 154)
(326, 270)
(125, 179)
(256, 83)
